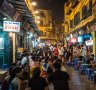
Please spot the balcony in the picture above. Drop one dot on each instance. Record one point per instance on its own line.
(68, 3)
(69, 11)
(74, 3)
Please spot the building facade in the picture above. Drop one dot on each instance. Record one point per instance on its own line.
(80, 20)
(44, 22)
(13, 42)
(58, 30)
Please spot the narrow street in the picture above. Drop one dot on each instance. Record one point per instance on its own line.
(79, 82)
(38, 36)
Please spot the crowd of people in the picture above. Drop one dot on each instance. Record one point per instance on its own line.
(84, 54)
(42, 67)
(37, 70)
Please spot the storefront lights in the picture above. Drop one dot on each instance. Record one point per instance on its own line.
(36, 12)
(30, 35)
(38, 39)
(80, 39)
(34, 3)
(38, 17)
(38, 22)
(4, 18)
(67, 38)
(71, 35)
(1, 39)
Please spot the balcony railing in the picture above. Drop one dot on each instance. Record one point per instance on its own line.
(87, 11)
(71, 23)
(74, 3)
(68, 2)
(69, 11)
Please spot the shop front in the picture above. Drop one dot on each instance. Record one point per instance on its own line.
(71, 39)
(5, 40)
(92, 30)
(88, 35)
(28, 36)
(80, 37)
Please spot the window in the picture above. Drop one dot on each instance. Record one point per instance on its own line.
(20, 41)
(68, 3)
(90, 8)
(42, 14)
(72, 1)
(77, 19)
(87, 10)
(41, 32)
(84, 12)
(71, 23)
(41, 22)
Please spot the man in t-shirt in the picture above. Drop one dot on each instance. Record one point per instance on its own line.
(59, 78)
(24, 59)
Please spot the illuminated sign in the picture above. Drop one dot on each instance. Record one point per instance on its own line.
(11, 26)
(73, 40)
(89, 42)
(80, 38)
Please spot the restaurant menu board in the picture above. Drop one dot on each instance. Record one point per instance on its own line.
(11, 26)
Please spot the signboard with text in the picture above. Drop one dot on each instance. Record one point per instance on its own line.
(89, 42)
(11, 26)
(73, 40)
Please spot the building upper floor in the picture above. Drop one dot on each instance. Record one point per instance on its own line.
(77, 13)
(43, 17)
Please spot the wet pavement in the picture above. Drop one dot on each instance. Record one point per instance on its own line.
(78, 81)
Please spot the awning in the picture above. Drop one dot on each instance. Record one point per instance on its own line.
(22, 8)
(7, 10)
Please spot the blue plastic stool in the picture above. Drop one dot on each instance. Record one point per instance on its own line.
(4, 66)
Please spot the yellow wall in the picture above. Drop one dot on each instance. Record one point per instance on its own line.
(78, 8)
(46, 26)
(94, 42)
(29, 5)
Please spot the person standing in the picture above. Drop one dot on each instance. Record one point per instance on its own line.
(50, 68)
(84, 51)
(24, 59)
(55, 51)
(36, 64)
(61, 52)
(59, 78)
(37, 82)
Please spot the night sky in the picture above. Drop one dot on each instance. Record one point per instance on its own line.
(57, 6)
